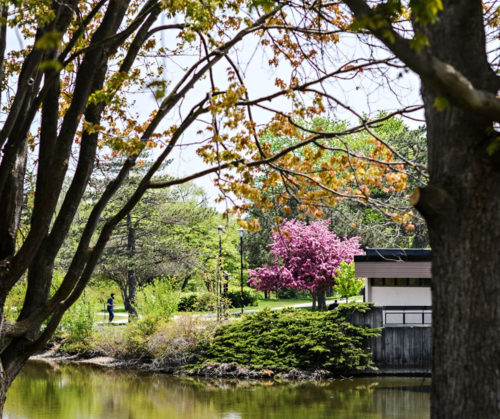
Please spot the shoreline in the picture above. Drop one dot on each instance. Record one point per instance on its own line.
(213, 370)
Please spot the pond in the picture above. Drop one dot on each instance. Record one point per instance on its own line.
(56, 391)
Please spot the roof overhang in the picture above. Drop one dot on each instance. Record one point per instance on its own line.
(394, 263)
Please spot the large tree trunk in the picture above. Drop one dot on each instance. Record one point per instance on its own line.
(466, 297)
(461, 207)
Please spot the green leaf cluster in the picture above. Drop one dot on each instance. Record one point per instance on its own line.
(294, 339)
(426, 10)
(77, 327)
(347, 285)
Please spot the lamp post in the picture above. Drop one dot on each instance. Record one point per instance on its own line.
(218, 285)
(241, 230)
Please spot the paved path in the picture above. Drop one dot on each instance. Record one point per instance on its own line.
(301, 305)
(122, 318)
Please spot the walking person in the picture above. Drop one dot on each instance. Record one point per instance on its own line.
(111, 305)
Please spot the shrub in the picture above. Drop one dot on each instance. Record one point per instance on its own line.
(198, 302)
(77, 327)
(158, 301)
(293, 339)
(291, 293)
(250, 297)
(177, 343)
(170, 344)
(208, 301)
(110, 341)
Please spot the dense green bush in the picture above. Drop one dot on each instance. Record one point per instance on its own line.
(250, 297)
(203, 302)
(294, 339)
(292, 293)
(77, 327)
(198, 302)
(158, 301)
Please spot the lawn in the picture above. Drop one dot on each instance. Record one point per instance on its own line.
(276, 302)
(121, 314)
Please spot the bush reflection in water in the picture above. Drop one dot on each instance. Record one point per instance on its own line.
(56, 391)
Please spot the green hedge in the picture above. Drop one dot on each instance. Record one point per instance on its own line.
(294, 339)
(208, 302)
(250, 297)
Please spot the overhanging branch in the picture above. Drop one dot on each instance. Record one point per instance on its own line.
(443, 77)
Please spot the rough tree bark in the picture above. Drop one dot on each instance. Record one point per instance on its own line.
(460, 205)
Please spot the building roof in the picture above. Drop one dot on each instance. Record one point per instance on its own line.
(395, 255)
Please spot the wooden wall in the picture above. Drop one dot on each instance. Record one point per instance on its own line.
(399, 350)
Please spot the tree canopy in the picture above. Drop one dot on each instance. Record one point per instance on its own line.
(305, 257)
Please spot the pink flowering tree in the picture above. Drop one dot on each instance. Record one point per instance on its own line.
(306, 258)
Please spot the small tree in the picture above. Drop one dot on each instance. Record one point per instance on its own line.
(304, 257)
(346, 285)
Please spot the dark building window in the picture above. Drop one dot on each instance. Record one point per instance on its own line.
(413, 282)
(400, 282)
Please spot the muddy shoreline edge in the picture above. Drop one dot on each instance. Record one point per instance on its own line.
(210, 369)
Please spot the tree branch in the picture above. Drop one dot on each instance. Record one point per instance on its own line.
(443, 77)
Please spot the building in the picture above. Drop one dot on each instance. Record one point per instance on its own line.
(398, 281)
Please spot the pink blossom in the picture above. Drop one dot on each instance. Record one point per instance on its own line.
(305, 257)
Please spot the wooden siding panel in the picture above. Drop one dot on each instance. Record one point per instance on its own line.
(399, 350)
(392, 269)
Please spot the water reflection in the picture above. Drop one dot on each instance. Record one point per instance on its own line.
(55, 391)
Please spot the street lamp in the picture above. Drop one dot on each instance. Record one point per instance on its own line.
(218, 285)
(241, 230)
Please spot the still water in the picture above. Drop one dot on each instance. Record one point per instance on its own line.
(56, 391)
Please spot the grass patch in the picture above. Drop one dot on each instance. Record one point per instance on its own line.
(277, 302)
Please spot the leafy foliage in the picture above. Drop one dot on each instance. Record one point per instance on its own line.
(15, 300)
(250, 297)
(346, 285)
(294, 339)
(159, 300)
(77, 327)
(201, 302)
(207, 301)
(291, 293)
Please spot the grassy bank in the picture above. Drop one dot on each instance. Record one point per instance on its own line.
(267, 342)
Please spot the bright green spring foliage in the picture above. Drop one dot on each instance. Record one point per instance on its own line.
(294, 339)
(346, 284)
(159, 300)
(77, 327)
